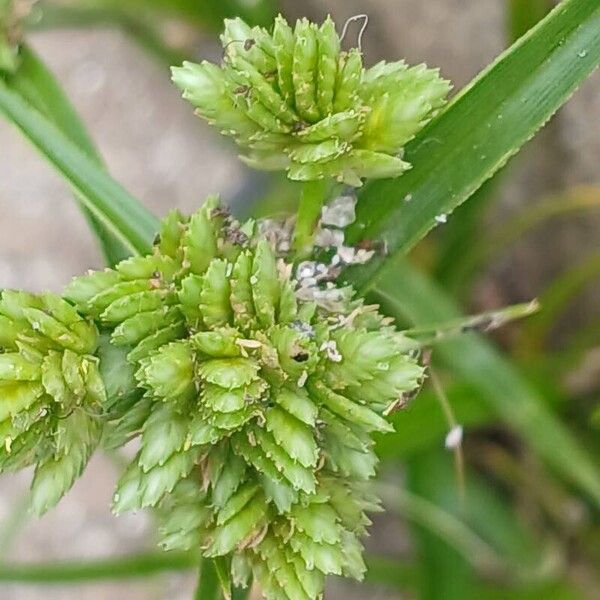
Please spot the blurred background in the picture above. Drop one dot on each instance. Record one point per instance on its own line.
(514, 528)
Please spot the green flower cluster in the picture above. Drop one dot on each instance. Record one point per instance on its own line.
(51, 392)
(258, 407)
(293, 100)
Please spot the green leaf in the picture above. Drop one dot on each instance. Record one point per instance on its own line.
(36, 84)
(486, 321)
(484, 125)
(408, 294)
(463, 233)
(444, 544)
(122, 214)
(208, 581)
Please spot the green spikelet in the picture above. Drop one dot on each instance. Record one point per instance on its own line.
(293, 100)
(255, 433)
(51, 392)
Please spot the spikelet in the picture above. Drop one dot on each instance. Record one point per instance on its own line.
(293, 100)
(51, 392)
(258, 407)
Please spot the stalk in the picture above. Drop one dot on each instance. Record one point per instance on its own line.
(314, 194)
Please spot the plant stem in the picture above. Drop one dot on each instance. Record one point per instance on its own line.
(208, 581)
(114, 568)
(314, 194)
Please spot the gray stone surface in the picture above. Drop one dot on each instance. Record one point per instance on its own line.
(165, 156)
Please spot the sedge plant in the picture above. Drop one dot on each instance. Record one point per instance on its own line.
(244, 359)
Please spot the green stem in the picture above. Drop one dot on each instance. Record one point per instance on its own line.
(208, 581)
(114, 568)
(314, 194)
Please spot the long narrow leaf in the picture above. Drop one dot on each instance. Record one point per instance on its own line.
(449, 550)
(208, 581)
(484, 125)
(462, 232)
(114, 207)
(407, 293)
(34, 82)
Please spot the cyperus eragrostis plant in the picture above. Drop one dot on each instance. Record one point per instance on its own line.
(253, 380)
(258, 406)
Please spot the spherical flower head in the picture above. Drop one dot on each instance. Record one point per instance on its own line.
(259, 403)
(51, 392)
(294, 100)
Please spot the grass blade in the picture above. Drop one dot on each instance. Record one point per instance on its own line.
(34, 82)
(113, 206)
(115, 568)
(477, 362)
(481, 129)
(208, 581)
(484, 322)
(447, 547)
(462, 232)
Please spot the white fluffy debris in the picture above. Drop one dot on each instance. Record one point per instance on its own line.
(328, 238)
(454, 438)
(340, 212)
(331, 350)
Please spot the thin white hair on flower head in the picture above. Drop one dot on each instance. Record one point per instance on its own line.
(362, 17)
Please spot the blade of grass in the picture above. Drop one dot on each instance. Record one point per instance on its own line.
(485, 322)
(208, 581)
(481, 129)
(456, 241)
(483, 529)
(108, 201)
(113, 568)
(34, 82)
(448, 550)
(409, 294)
(459, 237)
